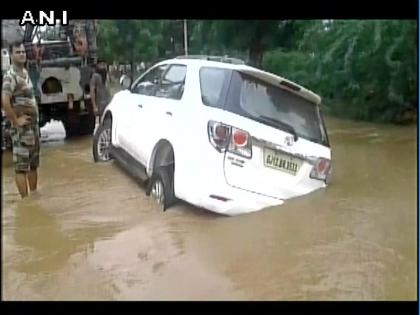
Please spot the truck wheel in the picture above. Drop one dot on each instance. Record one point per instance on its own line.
(161, 187)
(102, 142)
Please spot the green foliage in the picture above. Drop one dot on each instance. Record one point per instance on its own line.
(129, 40)
(295, 66)
(242, 37)
(363, 69)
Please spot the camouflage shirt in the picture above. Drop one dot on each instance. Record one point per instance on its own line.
(18, 85)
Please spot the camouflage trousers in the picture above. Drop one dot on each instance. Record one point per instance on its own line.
(26, 146)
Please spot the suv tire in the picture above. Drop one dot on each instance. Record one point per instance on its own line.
(161, 186)
(102, 142)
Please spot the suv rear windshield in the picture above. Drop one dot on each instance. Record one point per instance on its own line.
(264, 102)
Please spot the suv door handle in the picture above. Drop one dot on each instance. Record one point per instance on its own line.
(169, 113)
(139, 105)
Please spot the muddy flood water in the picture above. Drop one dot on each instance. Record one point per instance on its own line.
(91, 233)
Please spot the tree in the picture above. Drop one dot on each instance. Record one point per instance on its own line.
(129, 40)
(363, 69)
(253, 36)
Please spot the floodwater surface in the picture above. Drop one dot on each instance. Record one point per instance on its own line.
(90, 233)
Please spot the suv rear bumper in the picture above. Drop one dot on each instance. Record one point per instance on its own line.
(196, 184)
(239, 201)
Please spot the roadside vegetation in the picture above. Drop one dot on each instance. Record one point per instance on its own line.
(363, 69)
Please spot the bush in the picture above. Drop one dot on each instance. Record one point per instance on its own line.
(364, 70)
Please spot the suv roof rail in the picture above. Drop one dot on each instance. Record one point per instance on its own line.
(214, 58)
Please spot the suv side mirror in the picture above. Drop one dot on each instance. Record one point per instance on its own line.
(125, 82)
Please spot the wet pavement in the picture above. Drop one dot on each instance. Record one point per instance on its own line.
(90, 233)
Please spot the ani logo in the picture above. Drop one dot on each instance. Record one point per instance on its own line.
(42, 18)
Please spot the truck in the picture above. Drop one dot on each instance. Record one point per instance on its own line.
(60, 63)
(5, 60)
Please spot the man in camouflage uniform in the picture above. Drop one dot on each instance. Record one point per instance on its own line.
(19, 105)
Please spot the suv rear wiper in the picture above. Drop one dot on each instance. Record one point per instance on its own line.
(281, 124)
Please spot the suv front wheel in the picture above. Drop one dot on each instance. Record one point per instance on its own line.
(102, 142)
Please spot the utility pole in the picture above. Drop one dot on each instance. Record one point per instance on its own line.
(185, 38)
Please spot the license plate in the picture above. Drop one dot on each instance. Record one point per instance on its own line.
(283, 162)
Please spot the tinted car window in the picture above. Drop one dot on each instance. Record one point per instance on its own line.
(213, 84)
(274, 106)
(172, 83)
(148, 84)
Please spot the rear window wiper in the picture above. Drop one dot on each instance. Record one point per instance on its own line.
(281, 124)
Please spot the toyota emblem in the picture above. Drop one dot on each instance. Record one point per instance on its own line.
(288, 140)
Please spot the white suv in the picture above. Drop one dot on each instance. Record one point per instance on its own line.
(218, 134)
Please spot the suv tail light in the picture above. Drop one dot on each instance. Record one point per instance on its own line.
(321, 170)
(240, 138)
(224, 137)
(240, 143)
(219, 135)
